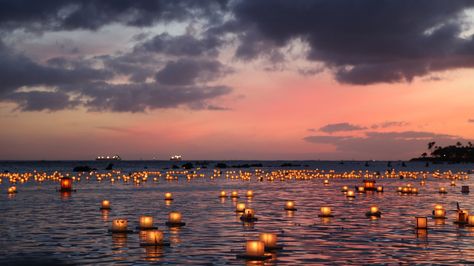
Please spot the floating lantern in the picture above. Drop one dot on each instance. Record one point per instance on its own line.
(290, 205)
(453, 184)
(240, 207)
(414, 190)
(66, 184)
(168, 196)
(439, 212)
(422, 182)
(255, 248)
(421, 223)
(326, 182)
(379, 189)
(373, 212)
(350, 194)
(344, 189)
(12, 190)
(325, 212)
(154, 238)
(249, 194)
(105, 205)
(269, 240)
(360, 189)
(399, 189)
(465, 189)
(470, 220)
(146, 223)
(248, 216)
(462, 217)
(369, 185)
(234, 194)
(174, 219)
(442, 190)
(120, 226)
(223, 194)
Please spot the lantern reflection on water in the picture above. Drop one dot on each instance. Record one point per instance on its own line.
(270, 241)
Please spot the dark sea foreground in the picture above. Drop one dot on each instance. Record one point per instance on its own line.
(40, 225)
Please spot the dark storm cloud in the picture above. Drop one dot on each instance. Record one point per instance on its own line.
(92, 14)
(363, 42)
(182, 45)
(338, 127)
(393, 145)
(42, 101)
(142, 97)
(389, 124)
(189, 71)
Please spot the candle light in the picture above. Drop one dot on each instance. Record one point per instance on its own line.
(439, 213)
(373, 212)
(174, 217)
(290, 205)
(269, 240)
(146, 222)
(325, 212)
(66, 184)
(374, 209)
(240, 207)
(154, 237)
(453, 184)
(379, 189)
(119, 225)
(326, 182)
(168, 196)
(344, 189)
(105, 205)
(360, 189)
(223, 194)
(249, 194)
(414, 190)
(421, 222)
(12, 190)
(255, 248)
(399, 189)
(369, 184)
(234, 194)
(442, 190)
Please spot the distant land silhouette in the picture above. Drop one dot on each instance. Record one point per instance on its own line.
(458, 153)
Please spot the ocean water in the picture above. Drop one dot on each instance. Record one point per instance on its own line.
(39, 224)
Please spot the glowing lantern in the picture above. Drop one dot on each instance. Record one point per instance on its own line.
(360, 189)
(439, 213)
(462, 217)
(249, 213)
(234, 194)
(414, 190)
(66, 184)
(249, 194)
(373, 212)
(325, 212)
(374, 209)
(453, 184)
(174, 219)
(344, 189)
(326, 182)
(105, 205)
(379, 189)
(269, 239)
(146, 222)
(154, 237)
(223, 194)
(240, 207)
(255, 248)
(421, 223)
(290, 206)
(470, 220)
(369, 184)
(168, 196)
(422, 182)
(119, 225)
(350, 194)
(12, 190)
(399, 189)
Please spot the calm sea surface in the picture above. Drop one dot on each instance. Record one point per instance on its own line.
(39, 224)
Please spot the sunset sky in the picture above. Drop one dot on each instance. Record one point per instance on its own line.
(217, 79)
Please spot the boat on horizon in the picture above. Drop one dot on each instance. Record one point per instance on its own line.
(176, 158)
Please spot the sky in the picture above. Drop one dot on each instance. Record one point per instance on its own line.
(234, 79)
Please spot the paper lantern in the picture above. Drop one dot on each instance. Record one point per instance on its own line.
(119, 225)
(249, 194)
(174, 219)
(379, 189)
(326, 182)
(154, 237)
(269, 239)
(350, 194)
(325, 212)
(470, 220)
(462, 216)
(105, 205)
(240, 207)
(421, 222)
(223, 194)
(66, 184)
(168, 196)
(442, 190)
(146, 222)
(255, 248)
(344, 189)
(290, 205)
(234, 194)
